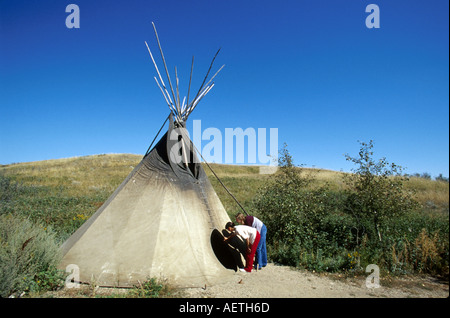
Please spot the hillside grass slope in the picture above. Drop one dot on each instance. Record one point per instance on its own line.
(63, 193)
(53, 198)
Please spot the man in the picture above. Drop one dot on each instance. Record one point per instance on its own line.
(251, 237)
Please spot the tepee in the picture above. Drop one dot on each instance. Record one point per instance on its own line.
(159, 221)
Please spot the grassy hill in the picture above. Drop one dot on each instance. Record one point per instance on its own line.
(43, 203)
(63, 193)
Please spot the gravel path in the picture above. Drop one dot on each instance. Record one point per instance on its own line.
(283, 282)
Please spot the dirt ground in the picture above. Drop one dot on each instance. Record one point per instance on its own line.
(283, 282)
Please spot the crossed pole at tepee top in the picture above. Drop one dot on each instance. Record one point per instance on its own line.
(181, 110)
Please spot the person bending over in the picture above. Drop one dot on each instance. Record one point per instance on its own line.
(261, 250)
(251, 236)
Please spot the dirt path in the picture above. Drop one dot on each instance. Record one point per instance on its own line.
(283, 282)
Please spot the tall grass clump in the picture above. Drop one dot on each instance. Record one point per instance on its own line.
(29, 255)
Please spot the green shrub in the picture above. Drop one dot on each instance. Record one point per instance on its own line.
(28, 256)
(375, 192)
(303, 227)
(373, 220)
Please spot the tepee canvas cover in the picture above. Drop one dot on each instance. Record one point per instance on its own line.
(158, 223)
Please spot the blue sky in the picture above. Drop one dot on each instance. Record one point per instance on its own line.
(312, 69)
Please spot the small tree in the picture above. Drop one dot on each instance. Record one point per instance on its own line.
(281, 202)
(291, 175)
(292, 209)
(375, 192)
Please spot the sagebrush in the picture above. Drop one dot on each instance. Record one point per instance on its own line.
(29, 255)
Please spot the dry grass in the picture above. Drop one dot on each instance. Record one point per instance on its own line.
(80, 175)
(430, 192)
(63, 193)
